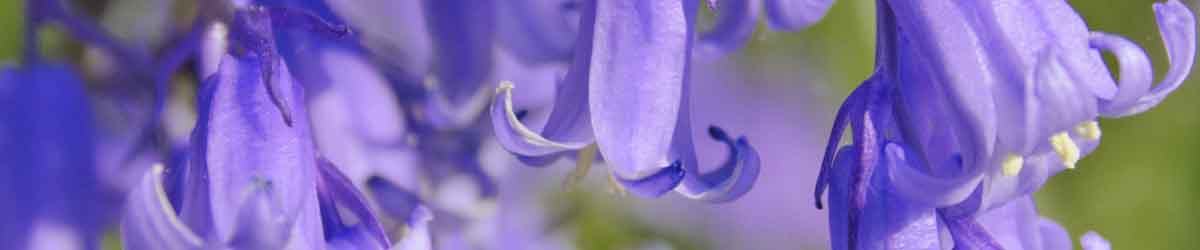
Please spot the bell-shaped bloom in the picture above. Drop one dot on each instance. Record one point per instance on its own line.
(378, 130)
(627, 91)
(253, 179)
(48, 183)
(976, 103)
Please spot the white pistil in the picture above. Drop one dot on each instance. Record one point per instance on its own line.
(1011, 166)
(1089, 130)
(1066, 149)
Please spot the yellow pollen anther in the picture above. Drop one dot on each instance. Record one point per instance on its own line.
(1011, 166)
(1089, 130)
(1067, 151)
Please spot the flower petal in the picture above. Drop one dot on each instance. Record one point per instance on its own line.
(731, 180)
(1053, 235)
(1060, 103)
(908, 180)
(515, 136)
(539, 30)
(240, 141)
(1136, 72)
(397, 31)
(792, 15)
(1093, 241)
(393, 201)
(885, 222)
(568, 127)
(150, 221)
(637, 73)
(50, 178)
(941, 35)
(1177, 25)
(462, 39)
(335, 189)
(656, 184)
(1014, 225)
(260, 225)
(407, 208)
(736, 20)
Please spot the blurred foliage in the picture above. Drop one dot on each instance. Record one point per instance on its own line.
(601, 225)
(1137, 189)
(11, 22)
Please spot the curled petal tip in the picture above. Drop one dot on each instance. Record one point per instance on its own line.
(729, 182)
(654, 185)
(735, 179)
(514, 135)
(1177, 26)
(735, 24)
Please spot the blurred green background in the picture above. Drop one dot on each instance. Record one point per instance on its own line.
(1137, 189)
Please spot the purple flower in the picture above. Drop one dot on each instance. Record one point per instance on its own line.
(627, 91)
(974, 104)
(52, 185)
(48, 179)
(383, 133)
(254, 179)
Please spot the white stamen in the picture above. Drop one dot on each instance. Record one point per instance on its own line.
(1089, 130)
(1011, 166)
(1066, 149)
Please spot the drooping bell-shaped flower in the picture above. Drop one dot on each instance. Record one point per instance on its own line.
(53, 188)
(976, 103)
(254, 179)
(627, 91)
(48, 181)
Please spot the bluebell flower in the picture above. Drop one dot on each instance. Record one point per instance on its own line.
(389, 134)
(627, 91)
(46, 136)
(254, 179)
(53, 187)
(975, 104)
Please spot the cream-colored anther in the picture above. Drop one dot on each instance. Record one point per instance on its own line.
(1011, 166)
(1089, 130)
(1066, 149)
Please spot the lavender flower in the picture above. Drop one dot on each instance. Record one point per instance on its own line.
(46, 139)
(254, 179)
(627, 91)
(50, 180)
(391, 136)
(973, 105)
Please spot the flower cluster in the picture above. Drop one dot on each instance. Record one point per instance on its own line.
(380, 124)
